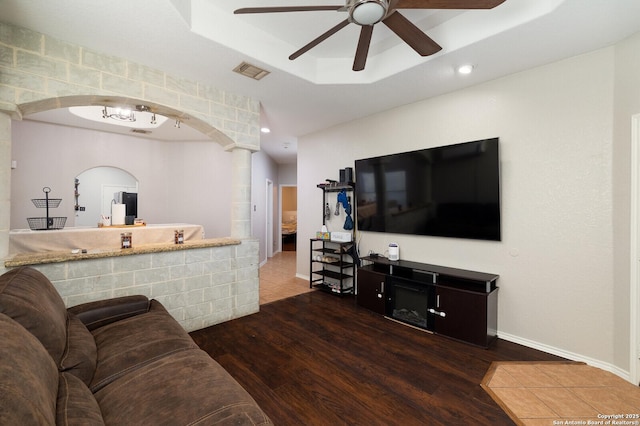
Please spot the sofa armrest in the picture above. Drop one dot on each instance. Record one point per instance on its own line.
(102, 312)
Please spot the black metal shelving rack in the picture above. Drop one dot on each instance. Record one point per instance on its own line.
(336, 270)
(334, 267)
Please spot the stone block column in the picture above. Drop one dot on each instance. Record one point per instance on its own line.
(241, 193)
(5, 183)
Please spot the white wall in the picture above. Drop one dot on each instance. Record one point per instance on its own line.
(262, 168)
(627, 103)
(178, 181)
(555, 261)
(287, 174)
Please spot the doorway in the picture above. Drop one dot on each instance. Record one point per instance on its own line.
(289, 216)
(99, 184)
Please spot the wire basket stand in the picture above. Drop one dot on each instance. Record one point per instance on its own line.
(46, 223)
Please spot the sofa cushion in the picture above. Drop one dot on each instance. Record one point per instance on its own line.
(128, 344)
(28, 297)
(76, 404)
(80, 355)
(28, 378)
(103, 312)
(188, 387)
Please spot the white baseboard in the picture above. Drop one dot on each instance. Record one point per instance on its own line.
(566, 354)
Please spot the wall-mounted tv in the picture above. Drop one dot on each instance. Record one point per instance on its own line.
(449, 191)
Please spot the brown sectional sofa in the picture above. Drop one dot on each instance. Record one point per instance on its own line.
(122, 361)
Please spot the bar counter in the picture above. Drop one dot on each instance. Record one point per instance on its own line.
(23, 259)
(93, 238)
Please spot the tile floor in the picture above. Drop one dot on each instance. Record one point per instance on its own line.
(278, 278)
(562, 393)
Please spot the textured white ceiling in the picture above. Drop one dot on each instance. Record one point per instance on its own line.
(203, 40)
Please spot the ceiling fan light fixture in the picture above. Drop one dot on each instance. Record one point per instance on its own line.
(368, 12)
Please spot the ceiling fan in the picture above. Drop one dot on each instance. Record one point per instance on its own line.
(367, 13)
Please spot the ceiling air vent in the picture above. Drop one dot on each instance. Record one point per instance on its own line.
(141, 131)
(250, 71)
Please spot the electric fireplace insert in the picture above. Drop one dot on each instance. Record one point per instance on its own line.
(408, 300)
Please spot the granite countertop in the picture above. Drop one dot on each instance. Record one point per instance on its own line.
(23, 259)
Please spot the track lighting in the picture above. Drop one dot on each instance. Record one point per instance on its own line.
(138, 116)
(128, 115)
(122, 114)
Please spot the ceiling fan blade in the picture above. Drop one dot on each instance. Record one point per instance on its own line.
(285, 9)
(363, 47)
(319, 40)
(448, 4)
(412, 35)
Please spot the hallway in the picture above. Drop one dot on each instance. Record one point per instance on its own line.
(278, 278)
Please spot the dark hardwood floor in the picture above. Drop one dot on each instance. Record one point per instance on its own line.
(318, 359)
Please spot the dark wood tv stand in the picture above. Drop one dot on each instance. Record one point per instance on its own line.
(456, 303)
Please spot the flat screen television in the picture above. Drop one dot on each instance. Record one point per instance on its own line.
(449, 191)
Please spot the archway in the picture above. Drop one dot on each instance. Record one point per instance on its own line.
(169, 170)
(92, 78)
(134, 104)
(211, 132)
(98, 185)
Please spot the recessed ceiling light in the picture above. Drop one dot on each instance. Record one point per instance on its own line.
(465, 69)
(265, 130)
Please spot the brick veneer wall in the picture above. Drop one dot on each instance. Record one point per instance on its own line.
(199, 287)
(38, 72)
